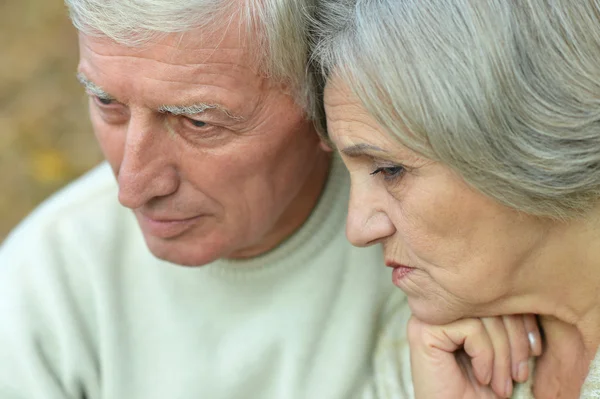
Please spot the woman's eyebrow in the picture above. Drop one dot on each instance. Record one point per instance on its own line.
(361, 149)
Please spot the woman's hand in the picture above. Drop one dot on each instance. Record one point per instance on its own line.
(472, 358)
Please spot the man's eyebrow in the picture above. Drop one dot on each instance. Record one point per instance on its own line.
(361, 149)
(195, 109)
(93, 88)
(187, 110)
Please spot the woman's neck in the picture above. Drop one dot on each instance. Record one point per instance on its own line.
(564, 290)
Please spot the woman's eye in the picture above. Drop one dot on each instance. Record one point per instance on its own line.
(389, 172)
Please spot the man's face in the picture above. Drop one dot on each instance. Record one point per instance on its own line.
(214, 159)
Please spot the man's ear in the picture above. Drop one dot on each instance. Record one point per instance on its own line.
(325, 146)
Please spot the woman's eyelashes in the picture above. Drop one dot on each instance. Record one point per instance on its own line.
(389, 173)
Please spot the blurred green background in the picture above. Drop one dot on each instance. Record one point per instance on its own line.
(45, 136)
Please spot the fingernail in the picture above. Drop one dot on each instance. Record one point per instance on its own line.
(523, 371)
(532, 341)
(508, 389)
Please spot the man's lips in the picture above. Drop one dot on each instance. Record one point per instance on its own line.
(165, 226)
(400, 271)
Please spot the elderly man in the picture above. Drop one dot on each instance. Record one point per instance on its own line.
(203, 110)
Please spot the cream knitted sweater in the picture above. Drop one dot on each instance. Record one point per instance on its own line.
(87, 312)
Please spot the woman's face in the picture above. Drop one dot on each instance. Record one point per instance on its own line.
(464, 254)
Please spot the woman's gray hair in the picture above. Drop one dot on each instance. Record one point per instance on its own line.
(505, 92)
(279, 28)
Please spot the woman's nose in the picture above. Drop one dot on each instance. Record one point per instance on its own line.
(368, 222)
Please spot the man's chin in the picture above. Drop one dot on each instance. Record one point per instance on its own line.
(181, 253)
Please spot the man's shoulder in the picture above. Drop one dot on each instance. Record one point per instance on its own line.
(47, 291)
(79, 213)
(96, 186)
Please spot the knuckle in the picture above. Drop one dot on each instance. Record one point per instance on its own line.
(476, 326)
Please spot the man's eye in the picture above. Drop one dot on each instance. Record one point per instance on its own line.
(195, 123)
(103, 101)
(389, 172)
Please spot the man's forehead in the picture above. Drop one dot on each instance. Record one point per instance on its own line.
(175, 50)
(218, 76)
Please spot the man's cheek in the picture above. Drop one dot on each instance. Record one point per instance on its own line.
(112, 145)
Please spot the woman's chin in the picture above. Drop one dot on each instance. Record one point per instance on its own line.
(431, 313)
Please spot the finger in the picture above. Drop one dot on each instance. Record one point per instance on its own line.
(519, 346)
(464, 362)
(501, 376)
(533, 334)
(473, 336)
(436, 357)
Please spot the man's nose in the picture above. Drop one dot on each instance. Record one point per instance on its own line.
(147, 170)
(368, 222)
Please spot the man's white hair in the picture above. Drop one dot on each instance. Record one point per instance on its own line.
(279, 29)
(505, 92)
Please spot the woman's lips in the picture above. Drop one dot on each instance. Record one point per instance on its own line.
(400, 271)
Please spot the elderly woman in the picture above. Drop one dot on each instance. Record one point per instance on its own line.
(471, 130)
